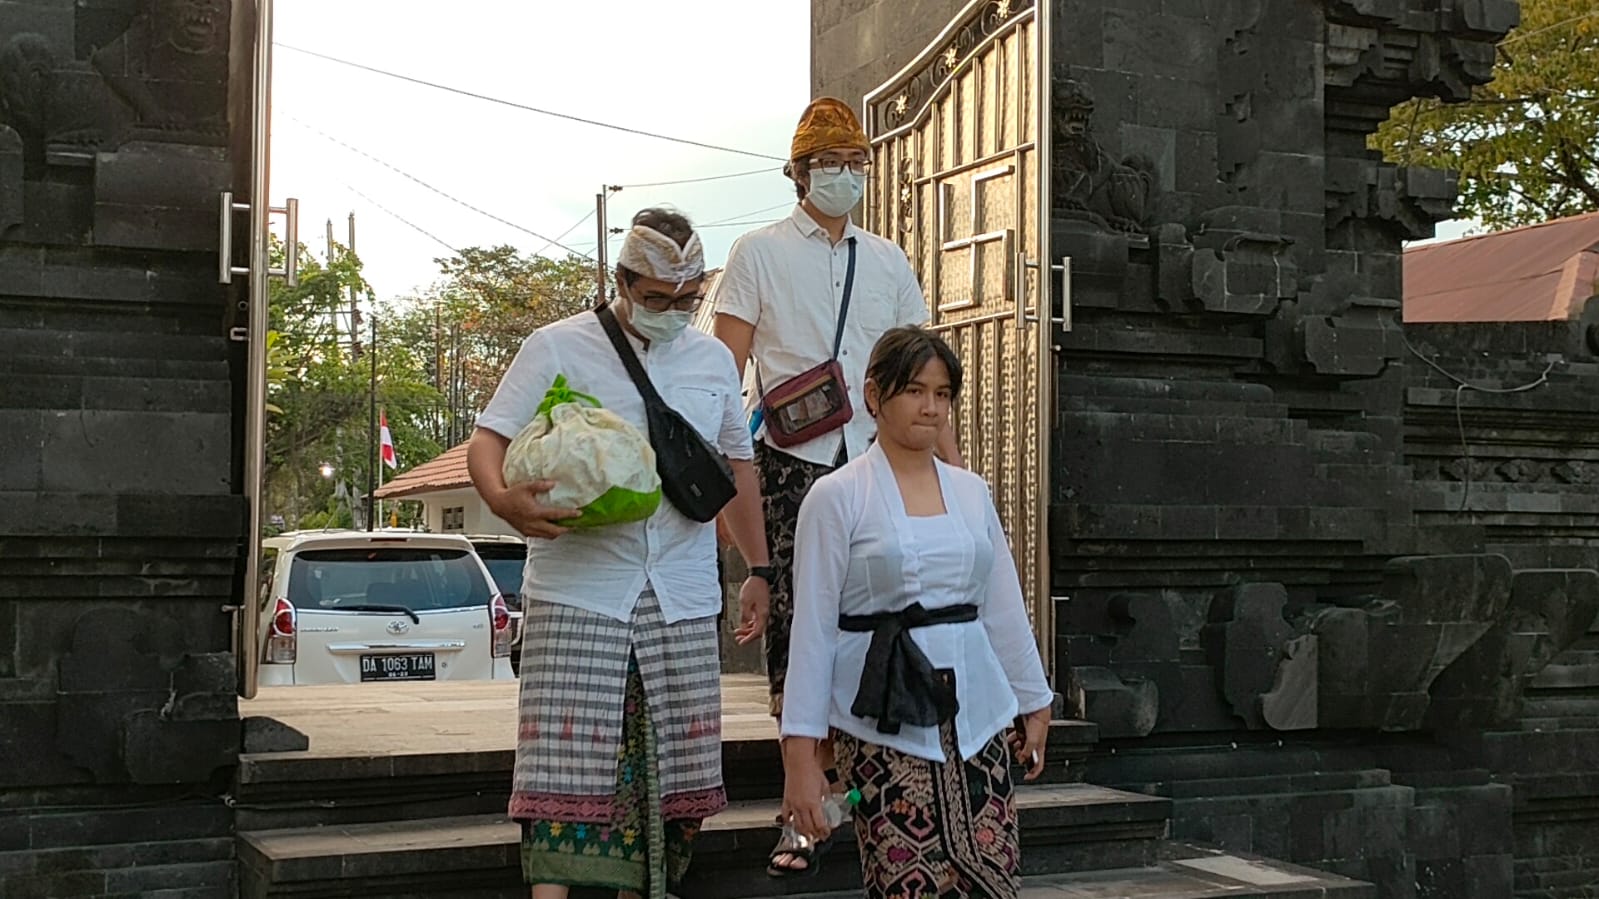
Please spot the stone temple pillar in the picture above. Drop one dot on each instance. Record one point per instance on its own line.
(1293, 601)
(121, 517)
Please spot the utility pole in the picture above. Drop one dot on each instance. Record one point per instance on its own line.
(600, 254)
(355, 316)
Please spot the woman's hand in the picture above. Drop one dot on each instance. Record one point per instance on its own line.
(1029, 745)
(804, 788)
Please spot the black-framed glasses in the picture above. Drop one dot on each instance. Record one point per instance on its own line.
(672, 304)
(837, 166)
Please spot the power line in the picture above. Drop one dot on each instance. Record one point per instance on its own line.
(735, 219)
(524, 107)
(738, 224)
(740, 219)
(562, 236)
(448, 196)
(765, 171)
(405, 221)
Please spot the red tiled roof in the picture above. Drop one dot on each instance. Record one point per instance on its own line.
(447, 472)
(1543, 272)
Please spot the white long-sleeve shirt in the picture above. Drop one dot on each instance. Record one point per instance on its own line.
(857, 552)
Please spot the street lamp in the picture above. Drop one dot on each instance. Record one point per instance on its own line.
(326, 469)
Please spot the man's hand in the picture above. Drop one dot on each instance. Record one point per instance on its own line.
(754, 606)
(522, 507)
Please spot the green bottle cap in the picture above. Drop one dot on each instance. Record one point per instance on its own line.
(852, 798)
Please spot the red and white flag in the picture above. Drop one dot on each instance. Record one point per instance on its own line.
(387, 450)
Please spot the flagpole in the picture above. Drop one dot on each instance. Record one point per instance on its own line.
(378, 503)
(376, 457)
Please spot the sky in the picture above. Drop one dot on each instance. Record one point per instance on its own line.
(733, 73)
(695, 69)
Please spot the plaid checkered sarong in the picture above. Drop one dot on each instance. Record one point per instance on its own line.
(574, 684)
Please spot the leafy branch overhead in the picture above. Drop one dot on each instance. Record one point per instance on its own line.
(439, 356)
(1526, 145)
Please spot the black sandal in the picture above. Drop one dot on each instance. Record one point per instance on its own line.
(803, 849)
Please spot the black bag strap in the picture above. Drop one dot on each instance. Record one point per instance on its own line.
(635, 369)
(843, 306)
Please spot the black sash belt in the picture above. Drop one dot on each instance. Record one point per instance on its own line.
(898, 683)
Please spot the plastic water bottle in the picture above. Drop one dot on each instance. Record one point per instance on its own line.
(837, 806)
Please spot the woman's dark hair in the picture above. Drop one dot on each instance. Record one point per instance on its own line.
(899, 356)
(670, 222)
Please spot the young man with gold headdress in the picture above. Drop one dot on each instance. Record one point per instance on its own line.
(619, 752)
(805, 291)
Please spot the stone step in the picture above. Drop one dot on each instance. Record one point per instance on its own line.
(1204, 875)
(1064, 827)
(278, 790)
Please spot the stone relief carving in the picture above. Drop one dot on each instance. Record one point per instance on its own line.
(27, 83)
(1266, 670)
(1087, 183)
(1549, 611)
(139, 97)
(169, 69)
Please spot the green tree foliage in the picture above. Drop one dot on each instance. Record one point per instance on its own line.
(439, 357)
(320, 385)
(1527, 145)
(466, 328)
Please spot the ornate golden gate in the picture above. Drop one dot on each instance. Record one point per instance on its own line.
(961, 180)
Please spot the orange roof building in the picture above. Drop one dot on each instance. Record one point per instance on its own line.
(1543, 272)
(444, 488)
(445, 472)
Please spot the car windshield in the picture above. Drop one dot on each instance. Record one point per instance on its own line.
(419, 580)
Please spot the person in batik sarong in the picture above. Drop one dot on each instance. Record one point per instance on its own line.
(794, 294)
(912, 649)
(618, 753)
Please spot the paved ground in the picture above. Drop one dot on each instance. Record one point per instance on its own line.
(463, 716)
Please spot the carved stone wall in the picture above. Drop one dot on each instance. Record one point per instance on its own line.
(1263, 534)
(120, 519)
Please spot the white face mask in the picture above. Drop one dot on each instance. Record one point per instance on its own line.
(836, 195)
(657, 327)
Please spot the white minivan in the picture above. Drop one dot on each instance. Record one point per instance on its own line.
(346, 607)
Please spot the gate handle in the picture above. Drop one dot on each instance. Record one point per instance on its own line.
(1023, 318)
(225, 267)
(290, 272)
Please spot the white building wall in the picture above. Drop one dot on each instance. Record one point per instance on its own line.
(474, 516)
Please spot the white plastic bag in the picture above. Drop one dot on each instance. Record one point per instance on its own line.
(599, 463)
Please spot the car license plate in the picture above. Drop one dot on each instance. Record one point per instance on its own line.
(418, 666)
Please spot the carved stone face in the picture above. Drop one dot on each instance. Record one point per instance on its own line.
(191, 26)
(1074, 108)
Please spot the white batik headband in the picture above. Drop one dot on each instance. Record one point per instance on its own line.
(652, 254)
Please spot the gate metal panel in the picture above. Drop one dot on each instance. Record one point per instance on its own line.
(961, 179)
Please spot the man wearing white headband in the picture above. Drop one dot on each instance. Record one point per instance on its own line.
(621, 668)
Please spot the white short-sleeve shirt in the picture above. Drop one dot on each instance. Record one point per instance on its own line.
(604, 569)
(787, 279)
